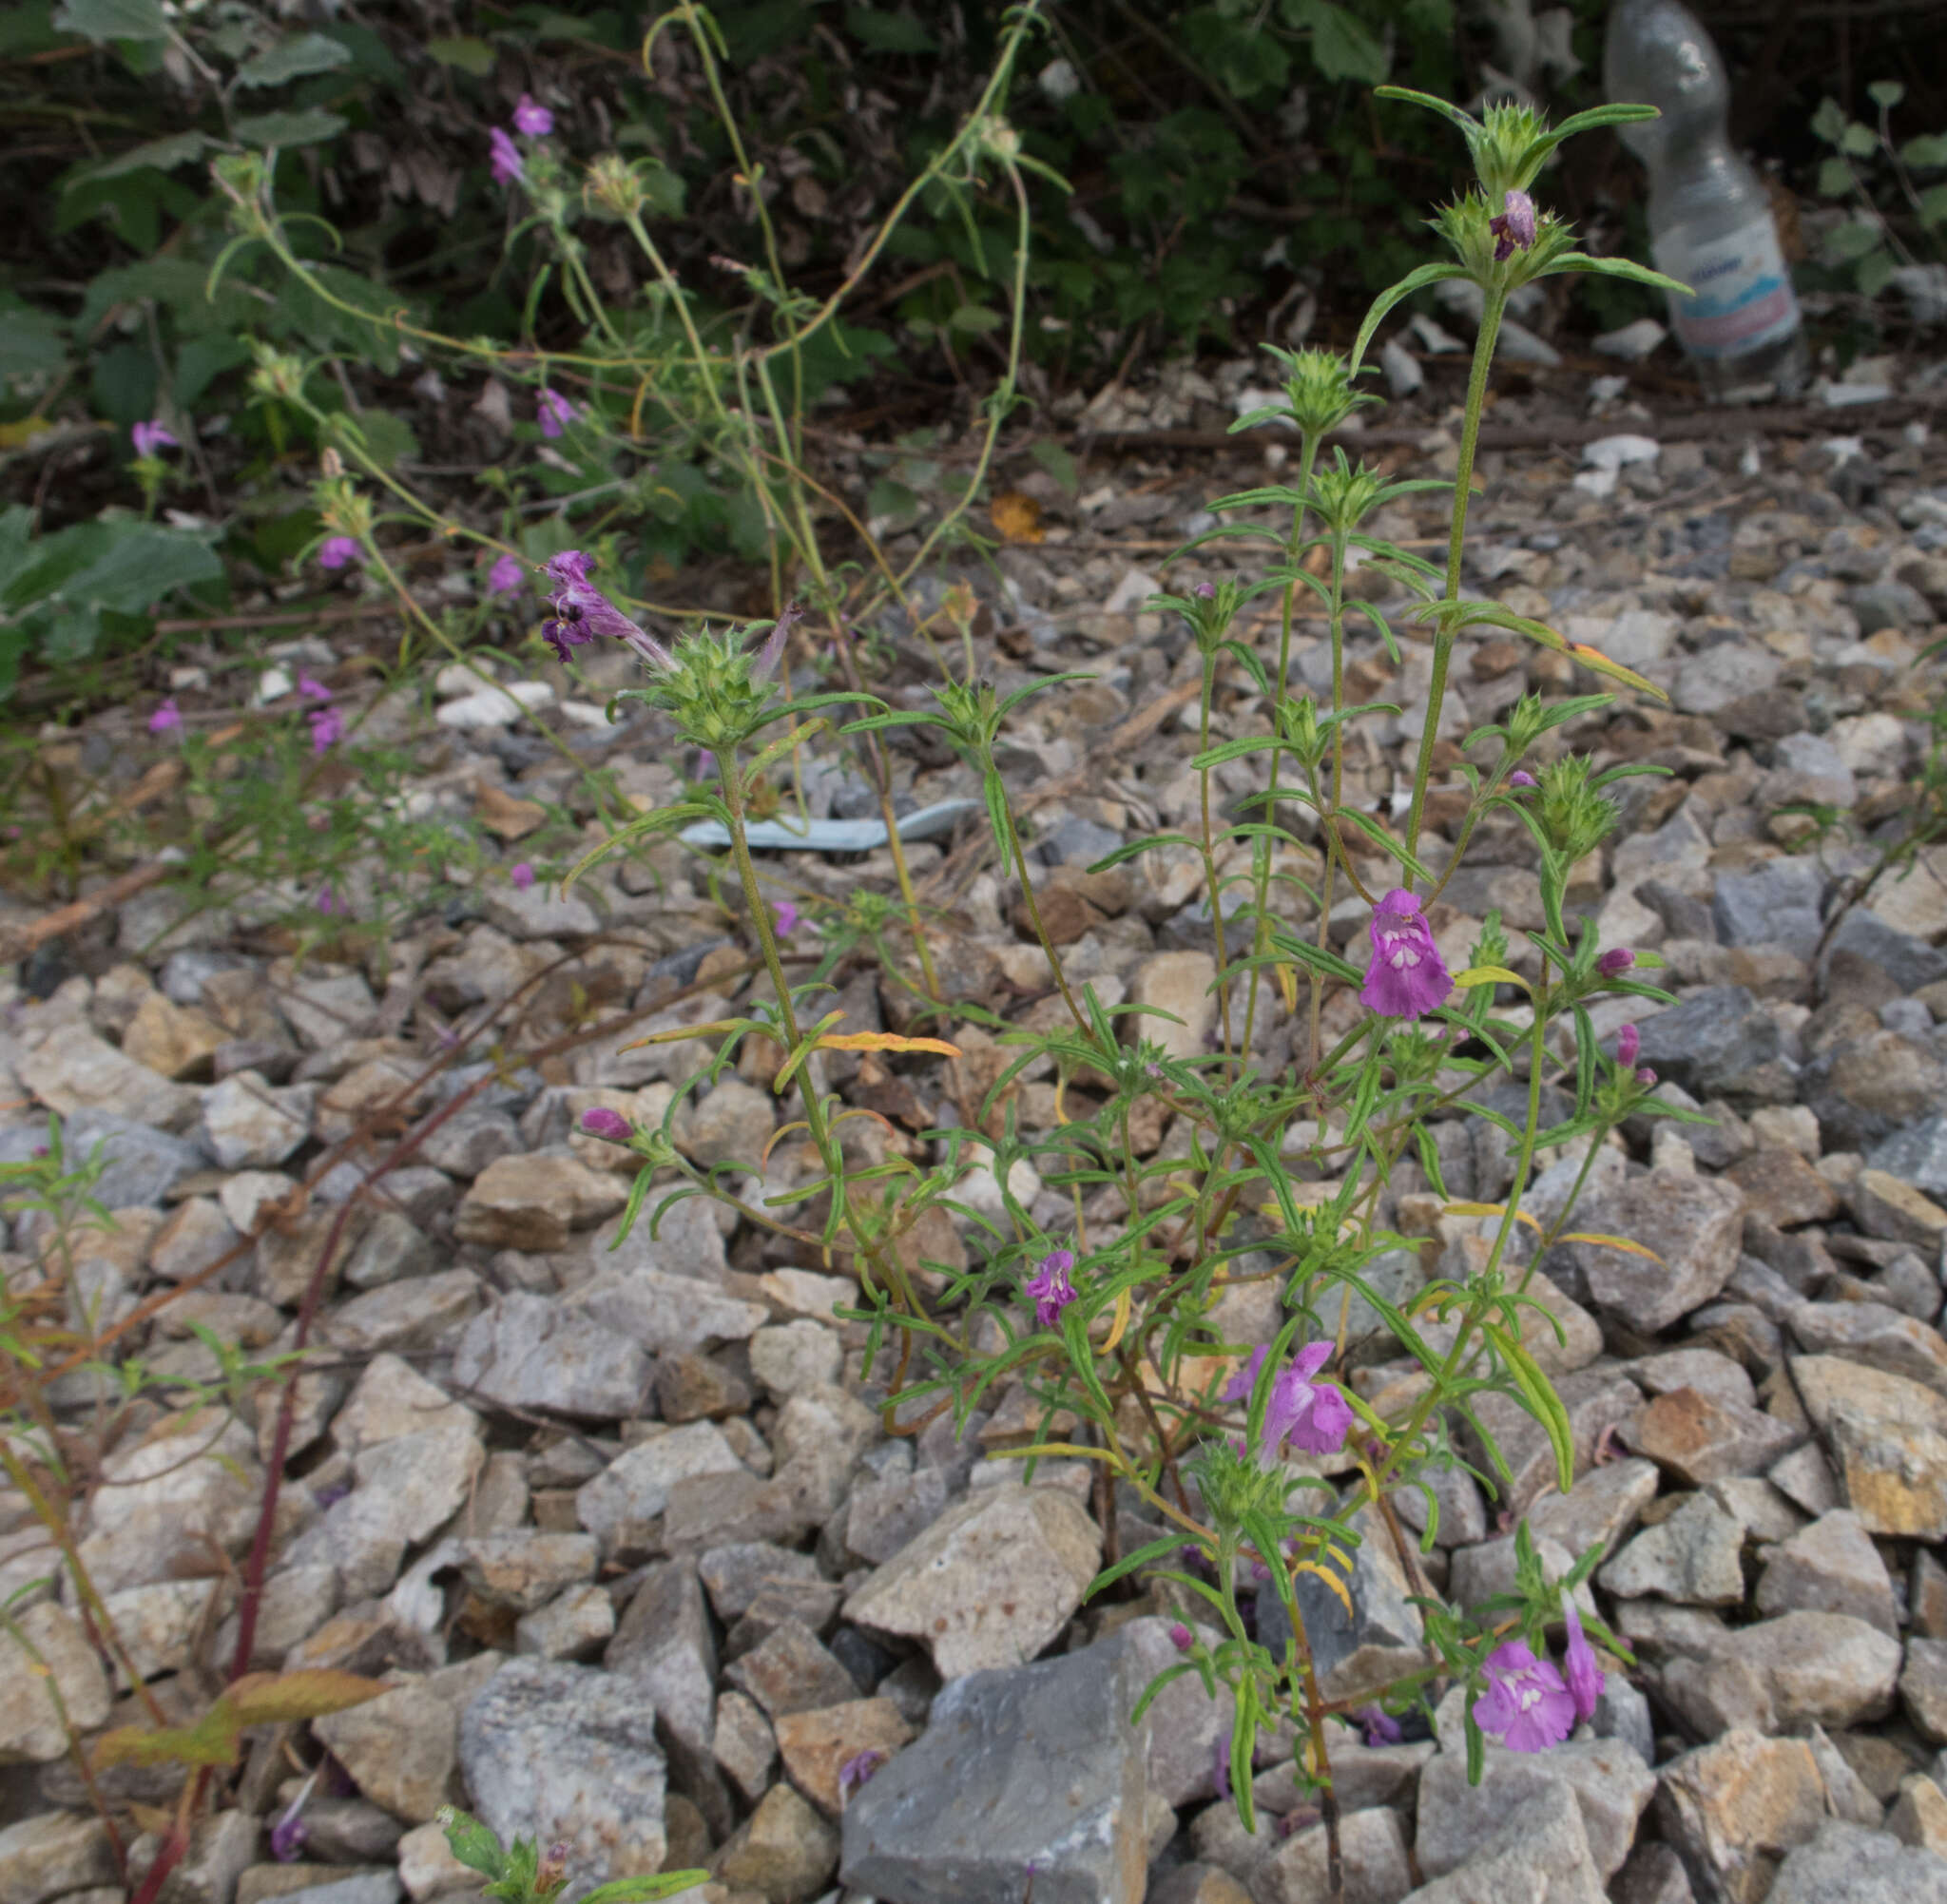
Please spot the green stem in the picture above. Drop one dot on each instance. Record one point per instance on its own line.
(1493, 302)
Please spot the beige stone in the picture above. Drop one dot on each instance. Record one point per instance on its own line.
(30, 1726)
(1734, 1807)
(816, 1745)
(176, 1040)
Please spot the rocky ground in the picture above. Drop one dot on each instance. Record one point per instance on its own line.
(622, 1525)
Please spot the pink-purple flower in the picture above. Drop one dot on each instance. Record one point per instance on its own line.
(336, 550)
(554, 412)
(287, 1838)
(1628, 1041)
(1313, 1416)
(857, 1770)
(507, 577)
(788, 918)
(167, 718)
(607, 1123)
(506, 156)
(1407, 976)
(1585, 1675)
(327, 728)
(1616, 961)
(1380, 1726)
(310, 689)
(1514, 229)
(582, 612)
(328, 902)
(1522, 777)
(533, 121)
(1181, 1638)
(522, 876)
(149, 437)
(1526, 1702)
(1048, 1288)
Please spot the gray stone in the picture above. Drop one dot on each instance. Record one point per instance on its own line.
(1035, 1764)
(1654, 1874)
(249, 1124)
(570, 1626)
(1602, 1506)
(792, 1672)
(744, 1746)
(1711, 682)
(796, 1356)
(1830, 1566)
(1695, 1225)
(1847, 1796)
(619, 1504)
(1870, 959)
(1846, 1864)
(1184, 1722)
(1775, 905)
(786, 1852)
(1699, 1440)
(1611, 1783)
(530, 1352)
(422, 1313)
(73, 1070)
(1691, 1557)
(1537, 1854)
(666, 1314)
(170, 1498)
(1822, 1668)
(392, 1249)
(560, 1753)
(995, 1579)
(1923, 1687)
(536, 1201)
(734, 1575)
(222, 1847)
(1917, 1155)
(1734, 1807)
(1372, 1845)
(1863, 1089)
(523, 1569)
(1704, 1370)
(466, 1145)
(57, 1851)
(141, 1164)
(1712, 1042)
(1385, 1636)
(666, 1647)
(30, 1726)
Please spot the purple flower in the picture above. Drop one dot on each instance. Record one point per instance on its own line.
(1180, 1637)
(329, 902)
(582, 612)
(507, 158)
(1522, 777)
(772, 653)
(1050, 1286)
(536, 122)
(1616, 961)
(1240, 1386)
(607, 1124)
(788, 918)
(336, 551)
(149, 437)
(857, 1770)
(1646, 1076)
(1628, 1041)
(1586, 1677)
(1526, 1702)
(287, 1838)
(1514, 229)
(1407, 975)
(311, 689)
(507, 577)
(1219, 1765)
(327, 728)
(554, 412)
(1379, 1726)
(522, 874)
(1206, 591)
(167, 718)
(1314, 1417)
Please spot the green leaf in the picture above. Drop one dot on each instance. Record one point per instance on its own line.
(1343, 47)
(1851, 240)
(1875, 273)
(1861, 141)
(1928, 152)
(1835, 177)
(388, 439)
(180, 148)
(888, 32)
(468, 54)
(1059, 464)
(1886, 94)
(1932, 206)
(33, 342)
(104, 20)
(200, 361)
(472, 1843)
(1828, 122)
(648, 1886)
(1618, 267)
(289, 128)
(291, 58)
(1414, 281)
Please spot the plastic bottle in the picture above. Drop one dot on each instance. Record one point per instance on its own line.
(1710, 223)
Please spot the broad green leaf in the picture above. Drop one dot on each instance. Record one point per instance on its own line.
(1828, 122)
(645, 1888)
(289, 128)
(468, 54)
(1862, 142)
(180, 148)
(33, 342)
(472, 1843)
(1835, 177)
(291, 58)
(1932, 206)
(1059, 464)
(1928, 152)
(880, 31)
(1851, 240)
(1343, 47)
(1874, 274)
(1886, 94)
(104, 20)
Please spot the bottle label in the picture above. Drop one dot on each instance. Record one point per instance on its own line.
(1744, 297)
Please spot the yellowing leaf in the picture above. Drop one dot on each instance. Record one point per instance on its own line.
(1487, 975)
(1330, 1580)
(715, 1027)
(277, 1699)
(884, 1041)
(1487, 1210)
(1122, 1322)
(1017, 517)
(1595, 659)
(1613, 1242)
(19, 433)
